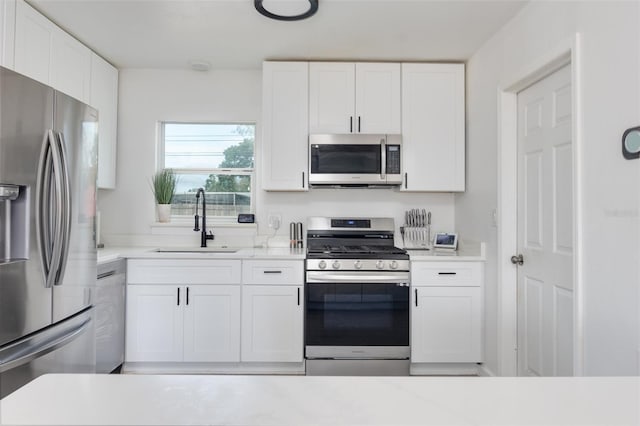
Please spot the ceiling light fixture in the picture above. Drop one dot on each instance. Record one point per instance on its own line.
(313, 8)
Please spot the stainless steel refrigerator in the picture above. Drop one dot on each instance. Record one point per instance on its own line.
(48, 166)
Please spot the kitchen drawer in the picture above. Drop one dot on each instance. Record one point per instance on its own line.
(183, 271)
(461, 274)
(280, 272)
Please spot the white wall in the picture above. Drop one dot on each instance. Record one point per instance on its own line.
(147, 97)
(610, 67)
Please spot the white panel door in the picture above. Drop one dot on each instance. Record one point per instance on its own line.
(545, 227)
(332, 97)
(272, 323)
(212, 323)
(154, 323)
(377, 98)
(446, 324)
(33, 43)
(285, 126)
(433, 127)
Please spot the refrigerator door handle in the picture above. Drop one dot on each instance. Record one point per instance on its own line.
(27, 350)
(59, 230)
(49, 222)
(66, 209)
(43, 183)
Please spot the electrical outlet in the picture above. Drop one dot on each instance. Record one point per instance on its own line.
(275, 219)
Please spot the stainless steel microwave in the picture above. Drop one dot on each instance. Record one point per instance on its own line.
(355, 160)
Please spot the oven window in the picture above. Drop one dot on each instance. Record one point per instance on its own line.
(357, 315)
(346, 159)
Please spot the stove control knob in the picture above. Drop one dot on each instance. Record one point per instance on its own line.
(380, 264)
(393, 264)
(335, 264)
(322, 264)
(357, 264)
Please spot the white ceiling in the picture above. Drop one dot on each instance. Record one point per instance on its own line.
(230, 34)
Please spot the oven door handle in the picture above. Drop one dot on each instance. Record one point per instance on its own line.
(358, 277)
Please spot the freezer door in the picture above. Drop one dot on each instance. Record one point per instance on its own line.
(26, 113)
(76, 129)
(66, 347)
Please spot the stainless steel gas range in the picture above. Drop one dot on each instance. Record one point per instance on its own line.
(357, 298)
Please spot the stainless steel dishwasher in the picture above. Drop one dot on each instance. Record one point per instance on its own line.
(110, 309)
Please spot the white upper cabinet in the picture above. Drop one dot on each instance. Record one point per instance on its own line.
(70, 66)
(377, 98)
(354, 98)
(433, 127)
(104, 98)
(285, 127)
(33, 43)
(47, 54)
(7, 32)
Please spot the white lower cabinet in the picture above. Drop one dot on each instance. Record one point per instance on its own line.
(272, 310)
(196, 323)
(446, 312)
(226, 312)
(211, 323)
(155, 324)
(272, 317)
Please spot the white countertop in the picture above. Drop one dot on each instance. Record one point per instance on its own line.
(470, 252)
(465, 253)
(58, 399)
(113, 253)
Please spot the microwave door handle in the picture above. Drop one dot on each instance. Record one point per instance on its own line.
(383, 147)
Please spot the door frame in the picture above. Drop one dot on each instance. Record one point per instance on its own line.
(566, 53)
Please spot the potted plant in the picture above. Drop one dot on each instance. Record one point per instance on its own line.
(163, 184)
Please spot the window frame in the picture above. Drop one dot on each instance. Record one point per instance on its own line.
(251, 172)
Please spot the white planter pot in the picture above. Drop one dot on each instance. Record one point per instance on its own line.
(164, 212)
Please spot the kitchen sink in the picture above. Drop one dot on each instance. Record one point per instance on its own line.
(195, 250)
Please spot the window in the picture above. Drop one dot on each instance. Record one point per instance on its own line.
(216, 157)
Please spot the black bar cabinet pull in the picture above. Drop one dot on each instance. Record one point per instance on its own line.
(178, 303)
(271, 272)
(303, 179)
(416, 298)
(298, 296)
(358, 124)
(406, 180)
(187, 295)
(446, 273)
(351, 124)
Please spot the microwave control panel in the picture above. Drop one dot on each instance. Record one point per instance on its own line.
(393, 159)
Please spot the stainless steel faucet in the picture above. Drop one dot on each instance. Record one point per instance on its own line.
(204, 236)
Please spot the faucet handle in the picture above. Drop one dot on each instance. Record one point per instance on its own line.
(209, 236)
(196, 226)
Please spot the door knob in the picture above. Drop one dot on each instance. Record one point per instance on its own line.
(517, 260)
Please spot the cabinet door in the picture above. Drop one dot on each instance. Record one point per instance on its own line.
(446, 324)
(154, 323)
(212, 323)
(33, 43)
(70, 66)
(332, 97)
(104, 98)
(272, 323)
(285, 97)
(433, 127)
(377, 98)
(7, 32)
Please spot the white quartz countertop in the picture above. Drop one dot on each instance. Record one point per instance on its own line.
(83, 399)
(112, 253)
(466, 252)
